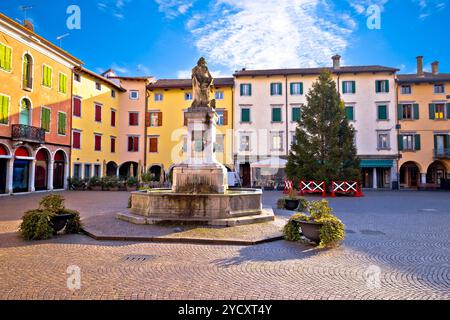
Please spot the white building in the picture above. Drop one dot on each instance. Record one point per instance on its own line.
(268, 102)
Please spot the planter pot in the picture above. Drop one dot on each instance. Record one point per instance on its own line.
(60, 221)
(96, 188)
(114, 189)
(130, 188)
(291, 205)
(311, 230)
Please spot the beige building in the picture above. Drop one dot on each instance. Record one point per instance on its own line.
(268, 104)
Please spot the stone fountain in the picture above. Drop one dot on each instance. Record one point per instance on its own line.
(200, 190)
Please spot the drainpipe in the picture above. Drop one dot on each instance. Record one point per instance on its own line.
(398, 130)
(287, 116)
(71, 128)
(232, 128)
(145, 127)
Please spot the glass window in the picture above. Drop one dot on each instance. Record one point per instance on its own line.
(97, 171)
(219, 95)
(220, 141)
(408, 142)
(77, 77)
(220, 121)
(348, 87)
(188, 96)
(276, 89)
(382, 86)
(113, 93)
(383, 140)
(245, 143)
(159, 97)
(154, 119)
(246, 90)
(87, 171)
(27, 72)
(98, 86)
(407, 110)
(296, 88)
(439, 88)
(406, 89)
(277, 141)
(77, 171)
(440, 111)
(134, 95)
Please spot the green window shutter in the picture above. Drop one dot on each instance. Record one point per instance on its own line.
(349, 113)
(400, 111)
(432, 111)
(8, 57)
(344, 87)
(416, 111)
(382, 113)
(250, 90)
(301, 87)
(400, 142)
(61, 123)
(272, 89)
(435, 142)
(276, 114)
(45, 119)
(292, 88)
(447, 141)
(417, 142)
(387, 85)
(280, 87)
(245, 115)
(2, 56)
(296, 114)
(4, 109)
(242, 89)
(353, 86)
(448, 110)
(377, 86)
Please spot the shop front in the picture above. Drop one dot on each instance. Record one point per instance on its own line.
(377, 174)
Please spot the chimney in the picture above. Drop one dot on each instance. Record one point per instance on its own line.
(435, 67)
(420, 66)
(336, 61)
(28, 24)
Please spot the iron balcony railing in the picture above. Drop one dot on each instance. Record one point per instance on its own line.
(442, 153)
(28, 133)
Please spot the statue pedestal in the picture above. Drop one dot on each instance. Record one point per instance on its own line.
(201, 173)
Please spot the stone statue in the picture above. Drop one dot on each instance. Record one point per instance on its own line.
(202, 84)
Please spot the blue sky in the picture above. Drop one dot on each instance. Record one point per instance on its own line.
(164, 38)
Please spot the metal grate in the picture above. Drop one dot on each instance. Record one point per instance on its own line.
(136, 258)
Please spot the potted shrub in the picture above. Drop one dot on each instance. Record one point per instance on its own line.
(50, 218)
(132, 184)
(95, 184)
(110, 183)
(319, 226)
(77, 184)
(292, 202)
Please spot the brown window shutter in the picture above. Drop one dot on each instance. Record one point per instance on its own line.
(160, 119)
(225, 117)
(185, 120)
(153, 145)
(147, 119)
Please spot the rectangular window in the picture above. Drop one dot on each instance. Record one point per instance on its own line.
(245, 115)
(439, 111)
(188, 96)
(154, 119)
(350, 113)
(4, 109)
(47, 74)
(98, 86)
(76, 107)
(439, 88)
(113, 144)
(5, 57)
(77, 171)
(382, 112)
(276, 89)
(62, 83)
(296, 114)
(97, 171)
(276, 115)
(348, 87)
(406, 89)
(220, 120)
(277, 141)
(62, 122)
(113, 94)
(153, 145)
(184, 139)
(245, 143)
(45, 119)
(383, 141)
(133, 144)
(382, 86)
(159, 97)
(98, 142)
(134, 95)
(87, 171)
(77, 77)
(296, 88)
(407, 112)
(220, 143)
(133, 118)
(246, 90)
(408, 142)
(113, 118)
(76, 140)
(98, 113)
(219, 95)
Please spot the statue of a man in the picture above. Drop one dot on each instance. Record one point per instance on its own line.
(202, 83)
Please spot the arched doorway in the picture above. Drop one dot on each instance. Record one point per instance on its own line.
(4, 155)
(21, 170)
(128, 169)
(25, 112)
(41, 170)
(409, 175)
(156, 172)
(59, 165)
(436, 172)
(111, 169)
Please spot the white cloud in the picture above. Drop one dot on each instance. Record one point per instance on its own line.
(174, 8)
(184, 74)
(114, 7)
(429, 7)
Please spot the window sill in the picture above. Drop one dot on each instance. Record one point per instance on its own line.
(250, 123)
(384, 149)
(383, 120)
(28, 89)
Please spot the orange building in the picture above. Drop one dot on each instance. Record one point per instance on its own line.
(424, 121)
(35, 110)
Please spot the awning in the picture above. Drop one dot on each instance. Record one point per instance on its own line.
(377, 163)
(274, 163)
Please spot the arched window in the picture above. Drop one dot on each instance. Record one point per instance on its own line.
(25, 112)
(27, 72)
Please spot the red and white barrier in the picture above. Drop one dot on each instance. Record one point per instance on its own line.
(308, 187)
(346, 187)
(288, 186)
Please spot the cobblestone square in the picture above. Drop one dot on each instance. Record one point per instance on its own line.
(397, 247)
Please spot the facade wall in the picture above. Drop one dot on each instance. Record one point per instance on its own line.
(88, 127)
(172, 134)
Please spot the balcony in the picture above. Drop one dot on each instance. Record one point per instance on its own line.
(25, 133)
(442, 153)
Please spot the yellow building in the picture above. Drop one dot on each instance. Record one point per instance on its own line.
(166, 130)
(95, 123)
(424, 135)
(35, 104)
